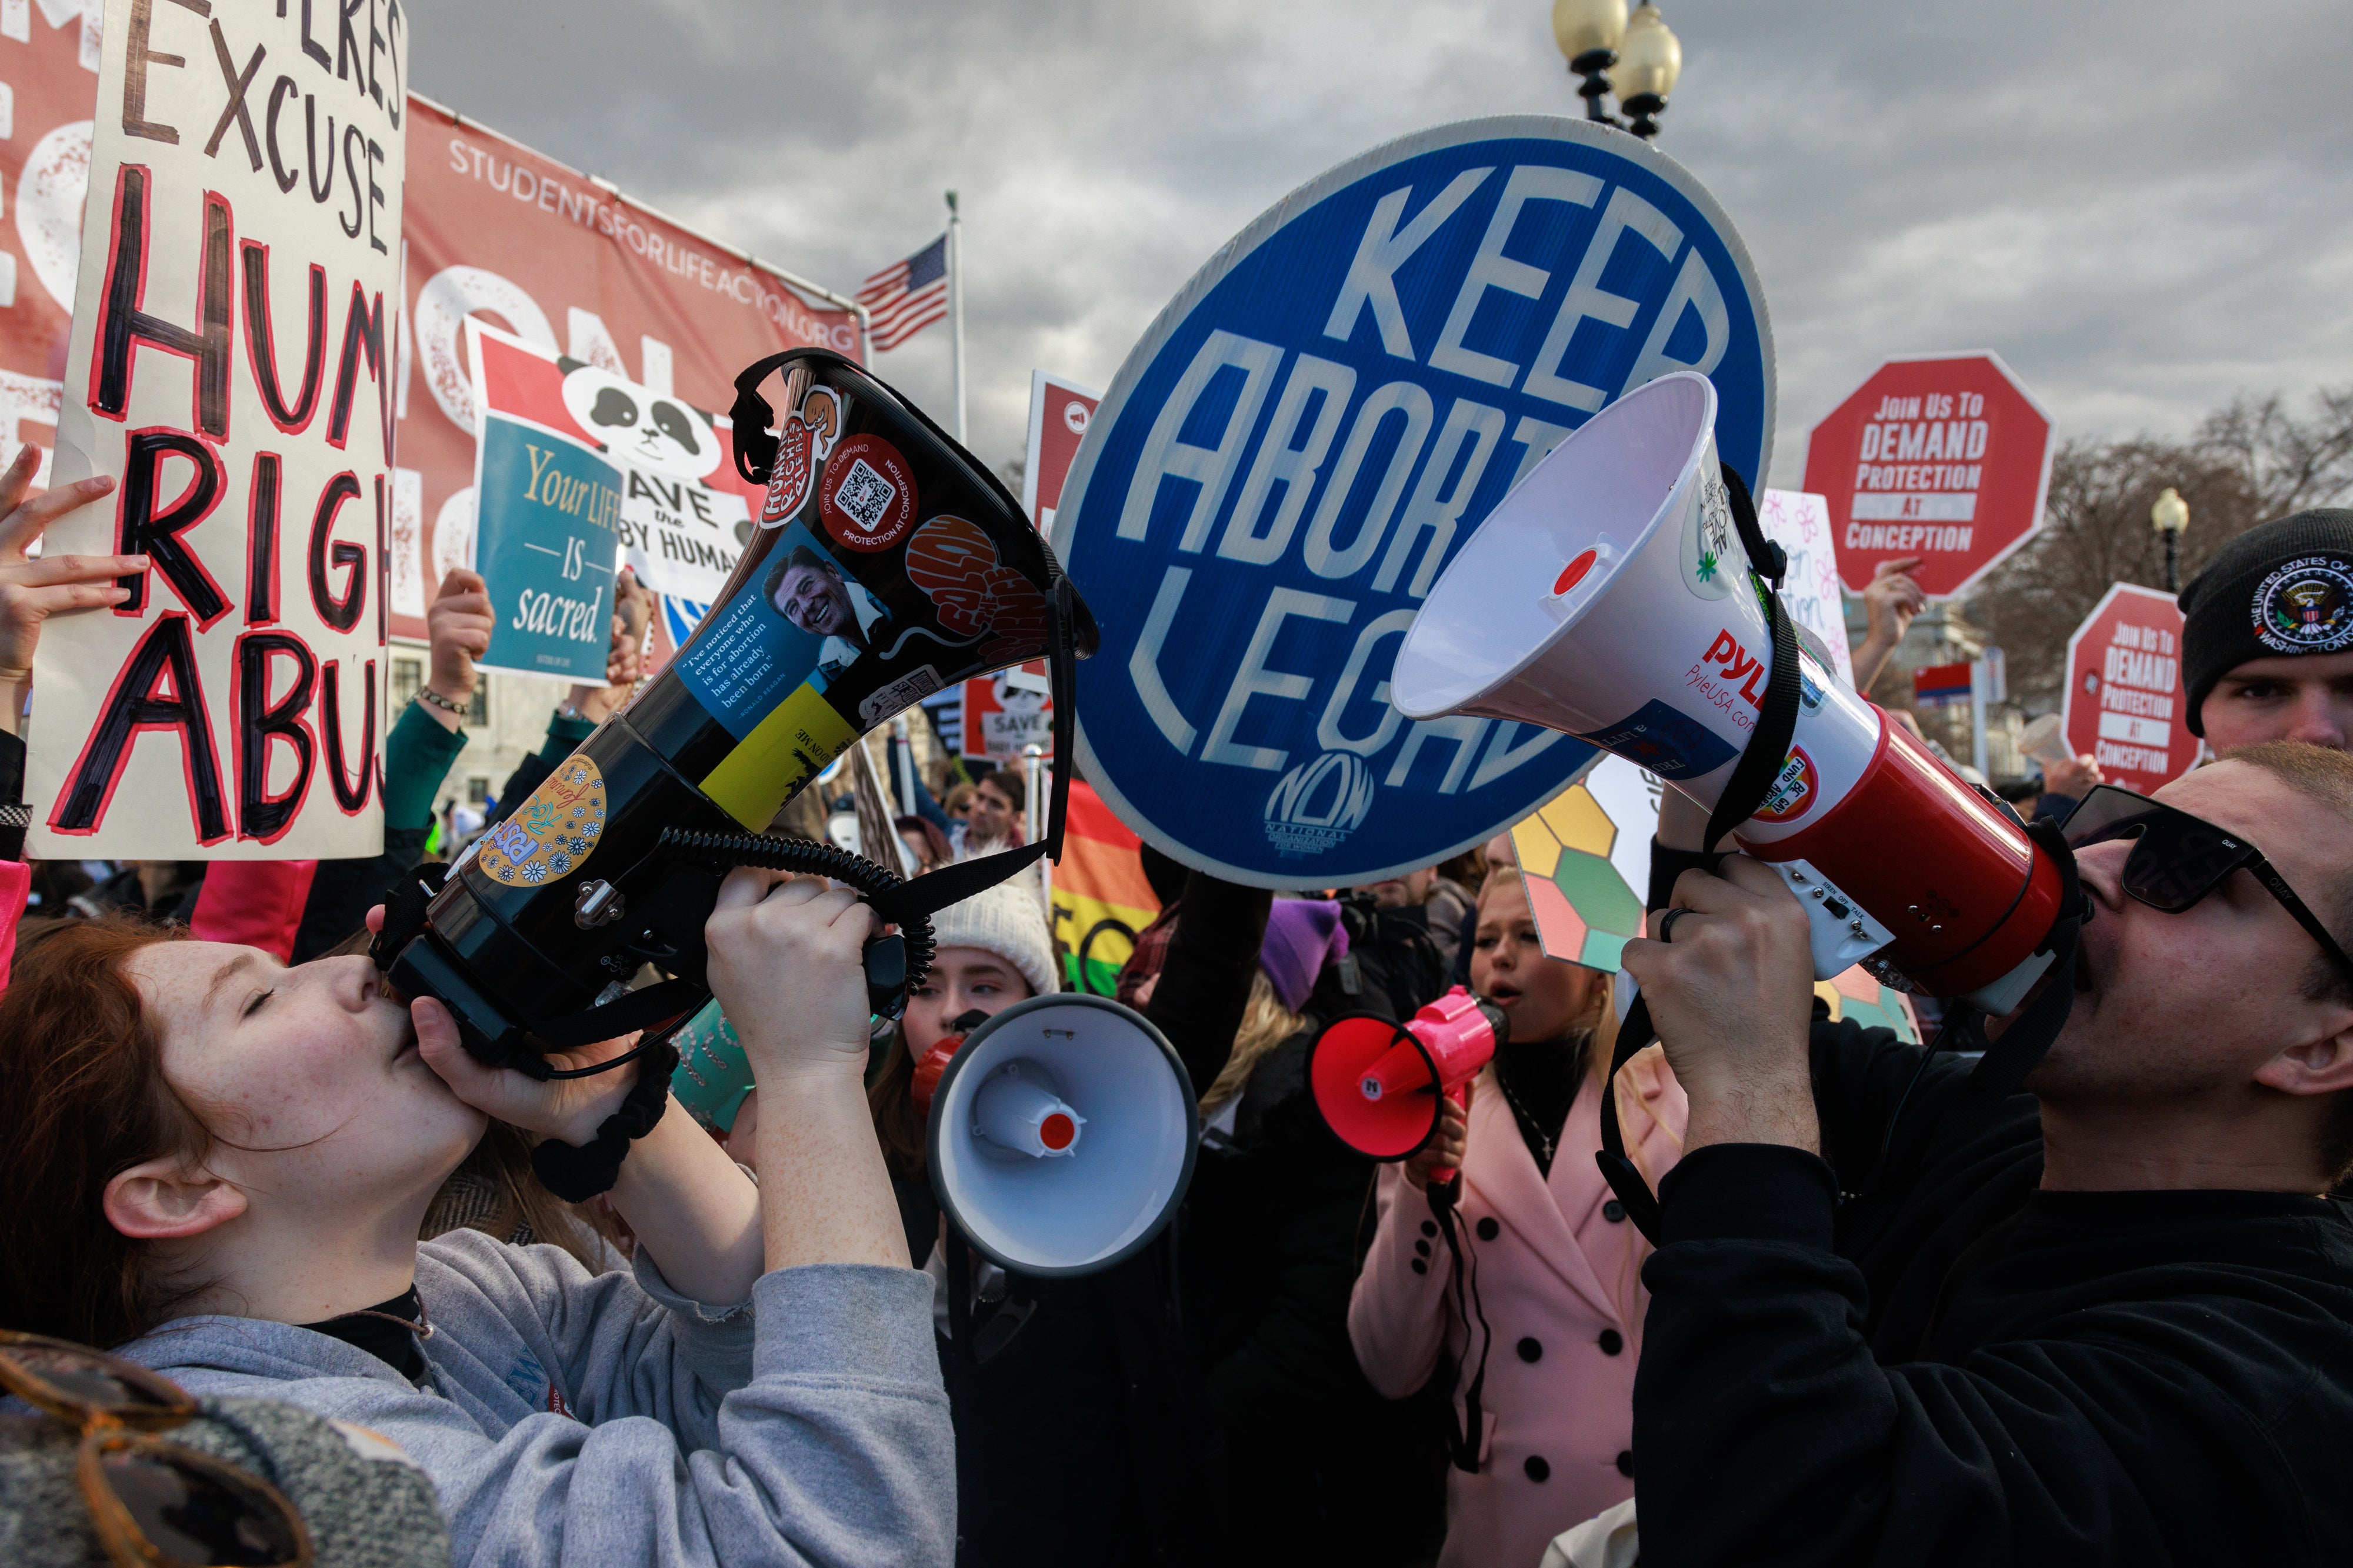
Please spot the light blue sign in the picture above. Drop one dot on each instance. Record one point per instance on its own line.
(545, 545)
(1305, 436)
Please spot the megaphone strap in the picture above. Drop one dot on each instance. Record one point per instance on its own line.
(1462, 1440)
(578, 1173)
(1641, 1204)
(2002, 1069)
(1752, 779)
(1777, 719)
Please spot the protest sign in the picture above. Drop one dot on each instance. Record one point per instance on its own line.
(1800, 524)
(1945, 457)
(2125, 702)
(1006, 713)
(1000, 715)
(1584, 862)
(231, 366)
(1060, 412)
(569, 265)
(1585, 858)
(575, 463)
(1101, 896)
(1285, 462)
(491, 229)
(48, 63)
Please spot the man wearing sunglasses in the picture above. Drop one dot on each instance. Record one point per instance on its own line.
(1897, 1319)
(2267, 636)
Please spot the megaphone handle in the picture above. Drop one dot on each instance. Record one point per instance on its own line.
(1444, 1179)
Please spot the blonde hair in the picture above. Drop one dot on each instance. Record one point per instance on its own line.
(1266, 1024)
(1600, 1044)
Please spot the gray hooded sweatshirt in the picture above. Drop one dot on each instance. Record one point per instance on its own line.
(579, 1419)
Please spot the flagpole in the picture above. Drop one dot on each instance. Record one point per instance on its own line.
(956, 304)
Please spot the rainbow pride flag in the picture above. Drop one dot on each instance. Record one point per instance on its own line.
(1101, 897)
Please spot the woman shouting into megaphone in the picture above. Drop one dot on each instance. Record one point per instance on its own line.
(219, 1165)
(1544, 1331)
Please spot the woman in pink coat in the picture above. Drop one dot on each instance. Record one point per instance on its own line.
(1558, 1264)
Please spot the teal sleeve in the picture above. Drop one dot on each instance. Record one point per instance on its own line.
(417, 755)
(565, 735)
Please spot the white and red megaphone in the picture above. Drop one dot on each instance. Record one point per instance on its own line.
(1061, 1133)
(1381, 1085)
(1609, 596)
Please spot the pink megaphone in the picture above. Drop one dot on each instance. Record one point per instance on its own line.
(1379, 1084)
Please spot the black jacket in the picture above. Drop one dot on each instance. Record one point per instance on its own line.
(1319, 1468)
(1961, 1369)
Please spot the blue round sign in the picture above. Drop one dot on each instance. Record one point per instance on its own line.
(1308, 433)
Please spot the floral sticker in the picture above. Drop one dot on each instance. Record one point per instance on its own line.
(553, 833)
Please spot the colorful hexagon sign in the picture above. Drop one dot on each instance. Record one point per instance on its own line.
(1585, 858)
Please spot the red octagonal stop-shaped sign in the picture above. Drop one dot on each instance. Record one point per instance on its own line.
(1945, 456)
(2125, 701)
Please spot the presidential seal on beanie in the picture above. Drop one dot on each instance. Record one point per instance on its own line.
(2284, 588)
(1005, 920)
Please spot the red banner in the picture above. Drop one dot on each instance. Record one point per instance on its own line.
(490, 227)
(563, 261)
(51, 73)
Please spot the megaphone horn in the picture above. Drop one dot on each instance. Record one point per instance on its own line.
(1062, 1135)
(1381, 1085)
(1609, 595)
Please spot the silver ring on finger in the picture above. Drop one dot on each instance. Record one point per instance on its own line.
(1667, 922)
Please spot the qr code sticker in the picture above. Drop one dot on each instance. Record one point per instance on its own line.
(865, 496)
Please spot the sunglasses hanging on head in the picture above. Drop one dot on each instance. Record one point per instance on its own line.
(152, 1501)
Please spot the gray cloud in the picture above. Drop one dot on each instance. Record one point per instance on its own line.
(2143, 208)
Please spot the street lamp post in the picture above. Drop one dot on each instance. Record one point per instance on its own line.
(1636, 57)
(2169, 516)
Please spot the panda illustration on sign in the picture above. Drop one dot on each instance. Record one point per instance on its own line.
(638, 426)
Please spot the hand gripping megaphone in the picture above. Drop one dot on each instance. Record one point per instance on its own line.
(887, 563)
(1619, 593)
(1062, 1135)
(1379, 1085)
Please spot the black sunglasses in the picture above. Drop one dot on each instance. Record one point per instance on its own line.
(2178, 859)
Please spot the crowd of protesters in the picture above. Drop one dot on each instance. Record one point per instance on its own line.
(1892, 1316)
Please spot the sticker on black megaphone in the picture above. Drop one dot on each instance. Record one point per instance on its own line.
(886, 565)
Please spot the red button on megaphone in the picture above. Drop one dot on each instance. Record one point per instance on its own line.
(1379, 1084)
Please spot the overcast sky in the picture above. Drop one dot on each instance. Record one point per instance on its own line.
(2145, 206)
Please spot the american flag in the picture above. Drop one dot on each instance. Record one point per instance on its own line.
(908, 296)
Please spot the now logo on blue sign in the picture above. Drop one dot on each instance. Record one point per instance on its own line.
(1292, 454)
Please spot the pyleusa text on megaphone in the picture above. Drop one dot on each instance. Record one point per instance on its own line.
(1610, 596)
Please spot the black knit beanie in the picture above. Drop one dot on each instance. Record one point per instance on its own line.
(2284, 588)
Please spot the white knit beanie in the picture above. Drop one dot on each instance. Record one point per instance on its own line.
(1006, 920)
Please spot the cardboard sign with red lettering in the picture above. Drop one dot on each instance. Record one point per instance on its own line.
(231, 366)
(490, 228)
(2124, 701)
(1945, 457)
